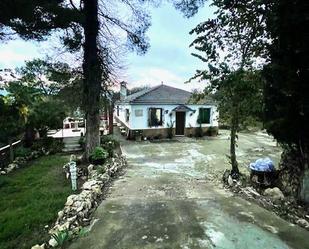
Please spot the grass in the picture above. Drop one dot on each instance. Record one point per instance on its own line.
(30, 199)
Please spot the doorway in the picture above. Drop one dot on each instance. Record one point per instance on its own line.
(180, 123)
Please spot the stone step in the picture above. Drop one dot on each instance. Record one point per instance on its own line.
(71, 145)
(71, 149)
(71, 139)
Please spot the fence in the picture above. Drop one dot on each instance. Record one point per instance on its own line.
(5, 154)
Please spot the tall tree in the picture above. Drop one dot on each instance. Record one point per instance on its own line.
(232, 44)
(287, 88)
(92, 75)
(10, 129)
(92, 25)
(47, 76)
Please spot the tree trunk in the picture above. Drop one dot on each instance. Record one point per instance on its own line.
(111, 118)
(92, 76)
(29, 136)
(234, 162)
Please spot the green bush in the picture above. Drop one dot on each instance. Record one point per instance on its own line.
(56, 146)
(22, 152)
(101, 169)
(109, 143)
(62, 237)
(98, 155)
(48, 144)
(82, 142)
(211, 131)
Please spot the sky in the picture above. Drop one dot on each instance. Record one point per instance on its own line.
(168, 59)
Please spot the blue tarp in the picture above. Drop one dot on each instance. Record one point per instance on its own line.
(263, 165)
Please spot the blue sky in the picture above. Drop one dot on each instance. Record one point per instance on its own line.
(167, 60)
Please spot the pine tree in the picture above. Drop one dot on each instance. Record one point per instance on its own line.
(92, 26)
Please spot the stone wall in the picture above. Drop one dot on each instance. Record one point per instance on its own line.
(79, 208)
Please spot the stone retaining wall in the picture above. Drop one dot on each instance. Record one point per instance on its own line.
(78, 208)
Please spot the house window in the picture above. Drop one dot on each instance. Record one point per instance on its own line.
(155, 117)
(139, 113)
(204, 116)
(127, 115)
(117, 110)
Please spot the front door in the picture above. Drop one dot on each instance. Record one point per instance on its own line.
(180, 123)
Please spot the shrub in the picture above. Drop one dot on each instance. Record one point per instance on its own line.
(22, 152)
(101, 169)
(48, 144)
(109, 140)
(137, 134)
(82, 142)
(212, 131)
(56, 146)
(98, 155)
(109, 143)
(61, 237)
(198, 132)
(170, 126)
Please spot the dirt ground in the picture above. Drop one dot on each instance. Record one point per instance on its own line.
(207, 157)
(165, 199)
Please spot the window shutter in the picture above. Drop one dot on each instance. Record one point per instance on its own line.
(204, 115)
(207, 115)
(149, 117)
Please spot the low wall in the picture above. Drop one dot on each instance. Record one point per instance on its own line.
(163, 132)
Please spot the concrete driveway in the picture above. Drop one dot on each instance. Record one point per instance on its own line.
(165, 200)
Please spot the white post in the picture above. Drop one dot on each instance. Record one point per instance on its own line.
(73, 175)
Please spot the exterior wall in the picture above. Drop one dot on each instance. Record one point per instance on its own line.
(163, 132)
(140, 122)
(122, 115)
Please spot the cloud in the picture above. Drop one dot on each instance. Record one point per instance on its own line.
(14, 53)
(154, 76)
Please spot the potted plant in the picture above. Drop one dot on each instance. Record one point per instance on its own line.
(212, 131)
(138, 135)
(98, 156)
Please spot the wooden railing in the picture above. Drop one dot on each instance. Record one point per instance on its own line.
(5, 154)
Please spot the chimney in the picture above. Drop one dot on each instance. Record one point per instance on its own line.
(123, 90)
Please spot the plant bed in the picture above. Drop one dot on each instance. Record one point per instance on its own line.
(78, 209)
(30, 199)
(98, 156)
(39, 148)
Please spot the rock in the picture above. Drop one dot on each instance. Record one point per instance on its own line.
(38, 247)
(230, 180)
(97, 190)
(52, 242)
(64, 226)
(249, 191)
(80, 208)
(302, 223)
(90, 168)
(88, 185)
(274, 193)
(11, 167)
(70, 200)
(60, 214)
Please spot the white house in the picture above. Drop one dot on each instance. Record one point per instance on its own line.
(152, 111)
